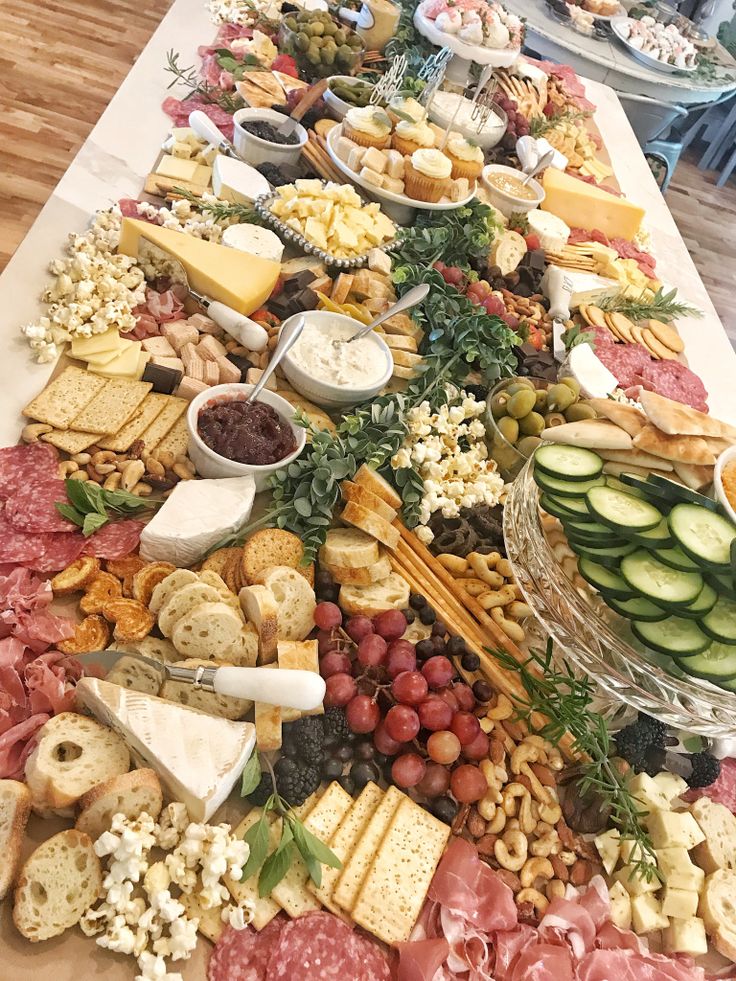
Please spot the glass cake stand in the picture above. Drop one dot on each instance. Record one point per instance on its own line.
(598, 641)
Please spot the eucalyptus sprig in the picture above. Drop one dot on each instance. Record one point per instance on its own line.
(662, 306)
(460, 236)
(90, 506)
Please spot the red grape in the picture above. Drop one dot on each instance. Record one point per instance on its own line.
(401, 657)
(464, 695)
(359, 627)
(327, 615)
(390, 624)
(438, 671)
(449, 698)
(326, 641)
(443, 747)
(383, 742)
(334, 663)
(434, 713)
(372, 650)
(362, 714)
(407, 770)
(340, 689)
(453, 275)
(465, 726)
(435, 782)
(468, 784)
(402, 723)
(409, 687)
(478, 749)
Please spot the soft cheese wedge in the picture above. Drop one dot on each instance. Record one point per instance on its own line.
(241, 280)
(198, 758)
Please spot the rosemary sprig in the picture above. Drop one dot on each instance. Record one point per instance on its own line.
(539, 125)
(221, 210)
(189, 77)
(554, 690)
(662, 306)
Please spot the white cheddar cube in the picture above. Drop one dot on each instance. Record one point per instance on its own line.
(182, 150)
(678, 871)
(635, 883)
(648, 793)
(670, 784)
(669, 829)
(686, 936)
(680, 903)
(620, 906)
(630, 851)
(609, 849)
(646, 914)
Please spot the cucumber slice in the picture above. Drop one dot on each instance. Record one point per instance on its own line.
(616, 484)
(658, 582)
(577, 509)
(552, 506)
(568, 462)
(679, 494)
(703, 535)
(649, 491)
(609, 557)
(723, 585)
(673, 635)
(590, 530)
(720, 622)
(606, 580)
(659, 537)
(717, 663)
(564, 488)
(621, 511)
(578, 539)
(676, 559)
(696, 610)
(637, 608)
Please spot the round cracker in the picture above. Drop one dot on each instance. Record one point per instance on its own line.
(667, 335)
(583, 311)
(658, 349)
(623, 326)
(596, 316)
(612, 327)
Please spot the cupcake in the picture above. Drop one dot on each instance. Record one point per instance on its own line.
(409, 137)
(367, 126)
(466, 158)
(426, 175)
(404, 109)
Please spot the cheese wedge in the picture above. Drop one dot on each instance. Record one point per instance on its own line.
(234, 277)
(198, 757)
(582, 205)
(127, 364)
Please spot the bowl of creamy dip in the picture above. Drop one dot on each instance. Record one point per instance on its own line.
(324, 368)
(506, 191)
(442, 110)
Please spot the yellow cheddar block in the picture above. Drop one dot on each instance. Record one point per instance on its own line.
(105, 357)
(232, 276)
(582, 205)
(177, 168)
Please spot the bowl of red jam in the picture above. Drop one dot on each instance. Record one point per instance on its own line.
(230, 437)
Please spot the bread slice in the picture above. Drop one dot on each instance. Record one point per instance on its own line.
(349, 548)
(129, 794)
(182, 602)
(135, 675)
(15, 806)
(716, 909)
(163, 592)
(368, 499)
(157, 648)
(273, 546)
(373, 481)
(244, 652)
(371, 523)
(361, 577)
(294, 599)
(391, 593)
(260, 608)
(60, 880)
(207, 630)
(72, 755)
(224, 706)
(718, 824)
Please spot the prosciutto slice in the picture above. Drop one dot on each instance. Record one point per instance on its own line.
(16, 745)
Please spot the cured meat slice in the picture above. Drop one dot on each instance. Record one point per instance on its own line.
(675, 381)
(16, 745)
(243, 955)
(723, 790)
(545, 962)
(373, 961)
(319, 946)
(32, 507)
(22, 465)
(625, 361)
(114, 541)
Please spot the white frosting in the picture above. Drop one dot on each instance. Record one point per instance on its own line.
(359, 364)
(431, 163)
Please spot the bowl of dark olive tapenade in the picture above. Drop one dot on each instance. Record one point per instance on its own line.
(257, 139)
(229, 437)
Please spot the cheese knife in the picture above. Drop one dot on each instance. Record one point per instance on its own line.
(303, 690)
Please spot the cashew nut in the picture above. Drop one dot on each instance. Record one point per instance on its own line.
(536, 868)
(511, 850)
(165, 458)
(155, 468)
(503, 709)
(545, 844)
(509, 795)
(555, 889)
(66, 468)
(551, 813)
(79, 475)
(103, 457)
(533, 896)
(182, 472)
(527, 752)
(569, 858)
(33, 431)
(497, 824)
(132, 473)
(112, 481)
(82, 459)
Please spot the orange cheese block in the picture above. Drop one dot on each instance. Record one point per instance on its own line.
(582, 205)
(242, 281)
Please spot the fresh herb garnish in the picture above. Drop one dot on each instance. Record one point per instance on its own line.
(577, 335)
(662, 306)
(190, 78)
(465, 235)
(539, 125)
(90, 506)
(221, 210)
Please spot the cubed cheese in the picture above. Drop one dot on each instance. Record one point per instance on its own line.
(631, 852)
(609, 849)
(634, 882)
(677, 869)
(620, 906)
(646, 914)
(670, 829)
(177, 168)
(648, 793)
(682, 903)
(686, 936)
(670, 784)
(583, 205)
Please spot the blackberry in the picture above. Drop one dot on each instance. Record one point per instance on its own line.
(479, 392)
(296, 780)
(263, 791)
(642, 743)
(706, 770)
(335, 725)
(307, 736)
(657, 730)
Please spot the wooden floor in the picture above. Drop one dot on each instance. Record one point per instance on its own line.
(62, 60)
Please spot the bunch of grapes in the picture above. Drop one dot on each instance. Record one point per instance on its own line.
(518, 124)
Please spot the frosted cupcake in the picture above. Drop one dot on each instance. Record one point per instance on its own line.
(466, 158)
(405, 109)
(426, 175)
(367, 126)
(409, 137)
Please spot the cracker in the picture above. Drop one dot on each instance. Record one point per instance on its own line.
(624, 327)
(69, 440)
(147, 411)
(218, 560)
(637, 333)
(612, 327)
(176, 441)
(596, 317)
(583, 311)
(667, 335)
(657, 348)
(65, 397)
(246, 893)
(112, 407)
(163, 423)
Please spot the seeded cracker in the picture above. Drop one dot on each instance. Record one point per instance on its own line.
(147, 411)
(112, 407)
(65, 397)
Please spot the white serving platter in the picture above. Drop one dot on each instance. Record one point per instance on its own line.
(642, 56)
(498, 57)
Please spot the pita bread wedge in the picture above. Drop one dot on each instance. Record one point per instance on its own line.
(680, 449)
(289, 83)
(636, 458)
(629, 418)
(717, 444)
(593, 434)
(616, 469)
(696, 478)
(675, 418)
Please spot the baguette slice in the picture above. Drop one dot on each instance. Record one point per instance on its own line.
(60, 880)
(163, 592)
(368, 499)
(223, 706)
(72, 755)
(129, 794)
(294, 599)
(182, 602)
(349, 548)
(391, 593)
(367, 477)
(718, 824)
(716, 909)
(361, 577)
(135, 675)
(371, 523)
(207, 630)
(259, 606)
(15, 806)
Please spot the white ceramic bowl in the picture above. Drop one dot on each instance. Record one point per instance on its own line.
(211, 464)
(321, 392)
(256, 151)
(339, 107)
(509, 204)
(728, 456)
(491, 134)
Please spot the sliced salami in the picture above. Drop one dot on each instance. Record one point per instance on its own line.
(319, 946)
(44, 552)
(676, 381)
(372, 958)
(115, 540)
(32, 506)
(25, 465)
(243, 955)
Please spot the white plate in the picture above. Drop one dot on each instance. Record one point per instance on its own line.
(388, 198)
(642, 56)
(498, 57)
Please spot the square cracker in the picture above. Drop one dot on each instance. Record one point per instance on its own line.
(147, 411)
(112, 407)
(69, 440)
(65, 397)
(163, 423)
(176, 441)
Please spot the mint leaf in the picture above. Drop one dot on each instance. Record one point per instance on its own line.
(78, 495)
(92, 522)
(122, 501)
(70, 513)
(251, 775)
(277, 865)
(256, 837)
(311, 848)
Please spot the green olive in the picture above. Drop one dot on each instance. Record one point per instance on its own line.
(521, 403)
(354, 41)
(518, 383)
(528, 445)
(317, 29)
(509, 428)
(302, 41)
(532, 424)
(344, 54)
(328, 56)
(313, 55)
(560, 397)
(318, 42)
(331, 28)
(505, 456)
(554, 419)
(579, 411)
(498, 404)
(291, 23)
(572, 383)
(541, 399)
(340, 36)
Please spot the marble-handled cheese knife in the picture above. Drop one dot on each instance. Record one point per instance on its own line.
(205, 129)
(303, 690)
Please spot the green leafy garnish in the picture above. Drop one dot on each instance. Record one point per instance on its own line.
(221, 211)
(251, 775)
(90, 506)
(662, 306)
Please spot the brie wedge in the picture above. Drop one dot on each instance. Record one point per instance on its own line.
(195, 516)
(236, 181)
(552, 231)
(198, 757)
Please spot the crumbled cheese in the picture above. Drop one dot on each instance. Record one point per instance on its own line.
(243, 12)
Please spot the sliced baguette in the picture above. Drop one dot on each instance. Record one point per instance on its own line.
(72, 755)
(371, 523)
(392, 593)
(164, 590)
(60, 880)
(370, 478)
(135, 675)
(259, 607)
(129, 794)
(361, 577)
(294, 599)
(349, 548)
(244, 652)
(15, 806)
(157, 648)
(210, 702)
(206, 630)
(715, 907)
(718, 824)
(368, 499)
(182, 602)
